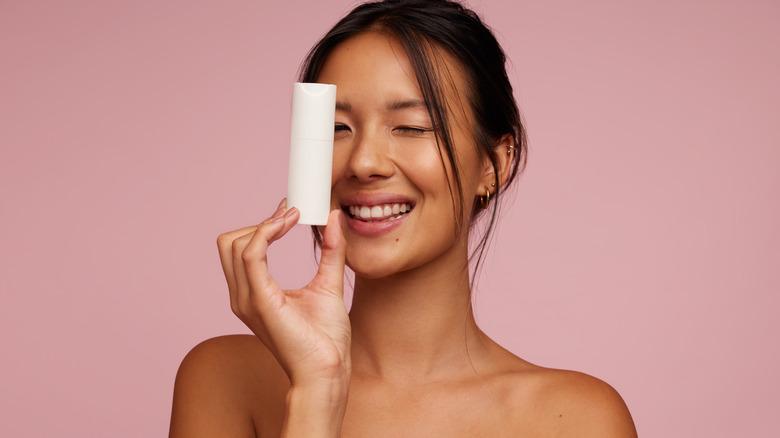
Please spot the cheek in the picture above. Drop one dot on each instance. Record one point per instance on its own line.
(424, 168)
(339, 162)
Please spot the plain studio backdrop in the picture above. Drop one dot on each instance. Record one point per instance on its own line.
(641, 245)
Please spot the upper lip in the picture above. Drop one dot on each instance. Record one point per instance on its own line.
(365, 198)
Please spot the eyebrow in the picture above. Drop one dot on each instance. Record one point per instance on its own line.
(397, 105)
(405, 104)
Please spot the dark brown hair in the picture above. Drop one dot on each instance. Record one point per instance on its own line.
(424, 27)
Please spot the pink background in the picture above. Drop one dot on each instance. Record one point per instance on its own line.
(642, 245)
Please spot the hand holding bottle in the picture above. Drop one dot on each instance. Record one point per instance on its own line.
(308, 329)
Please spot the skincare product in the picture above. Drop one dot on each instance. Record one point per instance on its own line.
(311, 151)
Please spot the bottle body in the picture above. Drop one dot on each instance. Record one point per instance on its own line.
(311, 151)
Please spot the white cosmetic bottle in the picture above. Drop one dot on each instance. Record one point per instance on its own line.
(311, 151)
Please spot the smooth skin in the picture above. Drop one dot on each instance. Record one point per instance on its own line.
(409, 359)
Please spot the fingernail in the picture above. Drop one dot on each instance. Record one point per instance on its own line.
(280, 210)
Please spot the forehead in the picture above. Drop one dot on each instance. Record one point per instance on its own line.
(370, 65)
(375, 65)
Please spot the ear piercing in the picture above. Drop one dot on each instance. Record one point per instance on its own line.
(510, 150)
(485, 199)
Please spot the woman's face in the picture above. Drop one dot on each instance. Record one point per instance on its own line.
(388, 176)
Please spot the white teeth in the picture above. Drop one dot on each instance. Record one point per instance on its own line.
(382, 212)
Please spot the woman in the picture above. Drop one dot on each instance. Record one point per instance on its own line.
(427, 137)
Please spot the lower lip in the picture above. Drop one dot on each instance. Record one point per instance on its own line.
(374, 228)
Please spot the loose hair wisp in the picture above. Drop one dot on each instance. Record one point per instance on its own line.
(425, 28)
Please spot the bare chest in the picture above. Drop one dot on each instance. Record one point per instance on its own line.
(452, 412)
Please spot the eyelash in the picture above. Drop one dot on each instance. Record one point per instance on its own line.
(402, 129)
(412, 131)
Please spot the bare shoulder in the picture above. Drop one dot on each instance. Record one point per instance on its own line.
(586, 406)
(570, 403)
(226, 385)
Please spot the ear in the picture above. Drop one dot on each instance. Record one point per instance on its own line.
(504, 151)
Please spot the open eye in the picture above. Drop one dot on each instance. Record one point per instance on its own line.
(340, 130)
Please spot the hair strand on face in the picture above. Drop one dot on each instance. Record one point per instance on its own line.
(428, 29)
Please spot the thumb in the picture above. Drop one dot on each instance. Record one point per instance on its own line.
(334, 251)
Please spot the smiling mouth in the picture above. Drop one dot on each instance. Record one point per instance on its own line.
(379, 213)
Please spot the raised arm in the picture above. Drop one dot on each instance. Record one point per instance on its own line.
(306, 330)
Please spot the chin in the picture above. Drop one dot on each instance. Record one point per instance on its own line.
(372, 268)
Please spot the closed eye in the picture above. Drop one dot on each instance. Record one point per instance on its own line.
(409, 130)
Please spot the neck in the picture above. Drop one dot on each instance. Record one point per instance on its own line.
(417, 324)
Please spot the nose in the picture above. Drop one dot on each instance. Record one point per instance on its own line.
(369, 157)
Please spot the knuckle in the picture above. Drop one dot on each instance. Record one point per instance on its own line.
(237, 247)
(223, 240)
(248, 256)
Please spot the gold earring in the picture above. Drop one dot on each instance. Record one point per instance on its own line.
(485, 200)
